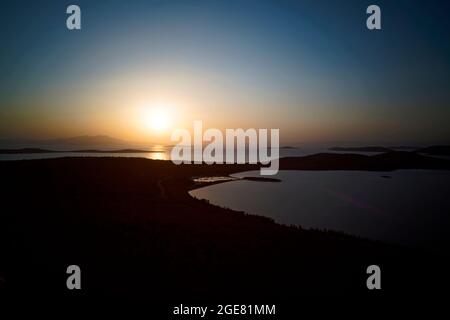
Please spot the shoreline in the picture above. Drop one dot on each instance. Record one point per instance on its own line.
(133, 219)
(385, 162)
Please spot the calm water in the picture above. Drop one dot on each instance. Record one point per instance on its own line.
(156, 153)
(159, 155)
(409, 207)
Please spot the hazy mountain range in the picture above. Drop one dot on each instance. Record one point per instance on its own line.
(100, 142)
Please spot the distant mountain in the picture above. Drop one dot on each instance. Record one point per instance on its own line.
(405, 148)
(98, 142)
(101, 141)
(25, 151)
(362, 149)
(436, 150)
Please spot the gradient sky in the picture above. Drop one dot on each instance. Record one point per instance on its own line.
(310, 68)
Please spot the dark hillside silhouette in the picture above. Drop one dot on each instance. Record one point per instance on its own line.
(131, 226)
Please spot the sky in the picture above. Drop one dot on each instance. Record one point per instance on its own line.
(310, 68)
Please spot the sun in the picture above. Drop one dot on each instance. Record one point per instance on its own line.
(158, 119)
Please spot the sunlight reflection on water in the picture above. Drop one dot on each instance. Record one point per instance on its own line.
(162, 155)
